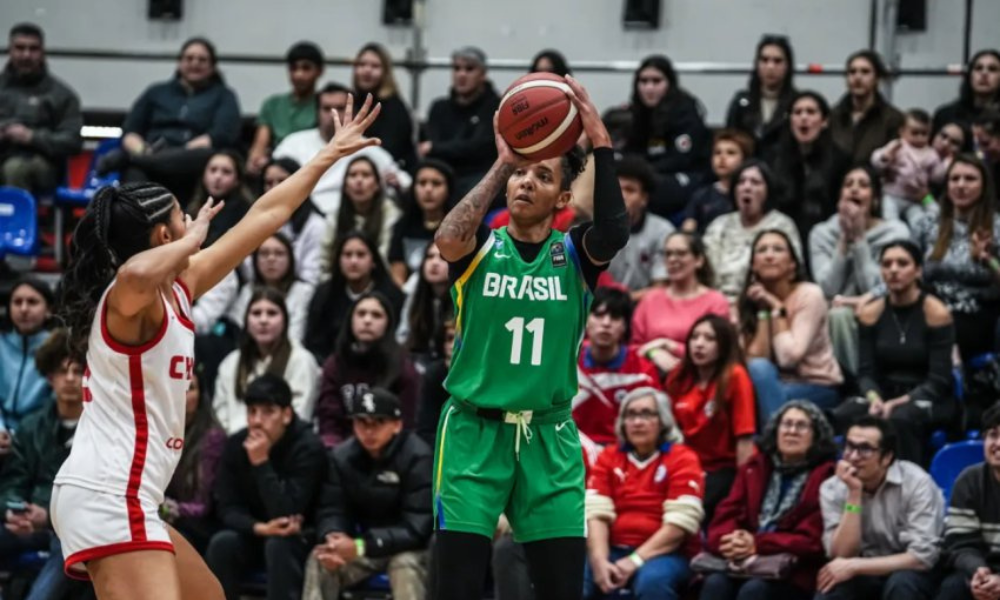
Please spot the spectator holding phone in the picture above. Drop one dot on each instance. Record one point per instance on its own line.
(41, 444)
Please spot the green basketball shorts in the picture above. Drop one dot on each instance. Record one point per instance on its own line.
(526, 465)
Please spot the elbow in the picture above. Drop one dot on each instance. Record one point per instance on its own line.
(452, 247)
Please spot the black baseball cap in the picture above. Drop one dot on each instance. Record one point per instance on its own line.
(375, 402)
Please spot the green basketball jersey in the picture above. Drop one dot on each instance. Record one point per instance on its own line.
(519, 325)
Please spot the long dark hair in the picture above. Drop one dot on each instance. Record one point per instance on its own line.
(240, 192)
(116, 226)
(773, 188)
(683, 379)
(413, 215)
(747, 307)
(648, 120)
(346, 212)
(289, 277)
(981, 218)
(966, 97)
(249, 352)
(427, 313)
(41, 288)
(790, 146)
(705, 273)
(384, 356)
(380, 273)
(874, 182)
(190, 469)
(307, 208)
(787, 85)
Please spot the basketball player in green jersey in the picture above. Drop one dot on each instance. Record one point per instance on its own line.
(506, 441)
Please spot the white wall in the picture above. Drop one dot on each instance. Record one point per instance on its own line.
(822, 31)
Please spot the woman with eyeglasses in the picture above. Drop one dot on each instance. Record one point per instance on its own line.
(665, 315)
(783, 320)
(774, 508)
(173, 127)
(713, 400)
(979, 91)
(669, 131)
(905, 342)
(643, 505)
(761, 110)
(863, 120)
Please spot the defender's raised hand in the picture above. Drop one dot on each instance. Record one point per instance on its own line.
(349, 131)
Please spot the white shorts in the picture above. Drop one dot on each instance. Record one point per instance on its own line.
(92, 525)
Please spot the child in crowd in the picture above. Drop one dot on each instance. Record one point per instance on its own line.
(908, 166)
(729, 149)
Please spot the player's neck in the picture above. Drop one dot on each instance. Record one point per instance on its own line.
(530, 234)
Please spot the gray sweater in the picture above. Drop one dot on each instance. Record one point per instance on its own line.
(857, 272)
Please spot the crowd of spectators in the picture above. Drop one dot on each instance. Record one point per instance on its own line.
(809, 271)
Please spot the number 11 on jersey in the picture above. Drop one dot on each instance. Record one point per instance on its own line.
(536, 327)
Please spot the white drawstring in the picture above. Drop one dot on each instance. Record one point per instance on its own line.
(521, 423)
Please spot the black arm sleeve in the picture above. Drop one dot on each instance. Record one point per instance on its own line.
(610, 230)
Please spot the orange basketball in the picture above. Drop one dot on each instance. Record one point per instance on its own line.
(537, 118)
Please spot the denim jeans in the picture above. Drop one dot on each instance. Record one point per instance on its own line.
(772, 392)
(52, 581)
(662, 578)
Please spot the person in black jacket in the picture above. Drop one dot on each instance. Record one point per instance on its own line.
(373, 75)
(761, 110)
(668, 130)
(459, 127)
(375, 506)
(809, 163)
(265, 494)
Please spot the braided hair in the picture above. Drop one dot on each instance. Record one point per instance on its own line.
(115, 227)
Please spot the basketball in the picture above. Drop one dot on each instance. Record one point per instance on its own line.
(537, 119)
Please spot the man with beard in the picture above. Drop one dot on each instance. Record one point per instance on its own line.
(40, 116)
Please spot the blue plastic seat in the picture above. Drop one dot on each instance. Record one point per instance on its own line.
(951, 460)
(18, 222)
(82, 196)
(67, 198)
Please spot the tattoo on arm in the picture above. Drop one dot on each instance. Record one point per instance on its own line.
(463, 220)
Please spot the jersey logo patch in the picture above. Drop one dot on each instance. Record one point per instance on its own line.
(558, 252)
(661, 474)
(498, 250)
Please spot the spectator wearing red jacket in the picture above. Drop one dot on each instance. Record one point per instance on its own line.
(774, 507)
(713, 400)
(608, 369)
(643, 505)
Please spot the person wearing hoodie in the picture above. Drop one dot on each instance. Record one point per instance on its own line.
(459, 129)
(40, 116)
(668, 130)
(23, 390)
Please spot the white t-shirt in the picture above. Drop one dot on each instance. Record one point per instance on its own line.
(302, 146)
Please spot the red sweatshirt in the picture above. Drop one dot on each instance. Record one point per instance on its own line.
(639, 491)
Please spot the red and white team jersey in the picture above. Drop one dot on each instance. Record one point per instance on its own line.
(130, 436)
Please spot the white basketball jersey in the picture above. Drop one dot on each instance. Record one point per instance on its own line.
(130, 436)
